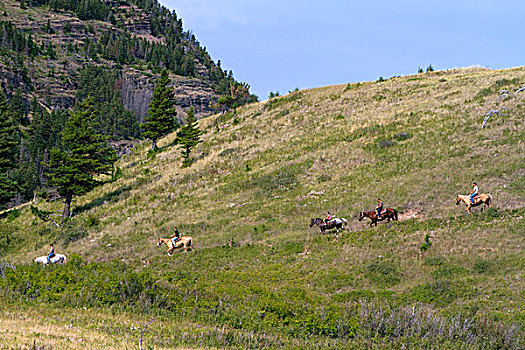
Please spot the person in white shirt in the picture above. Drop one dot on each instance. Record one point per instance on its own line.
(474, 192)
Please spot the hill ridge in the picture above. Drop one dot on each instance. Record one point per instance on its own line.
(265, 169)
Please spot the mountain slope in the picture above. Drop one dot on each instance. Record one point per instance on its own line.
(259, 176)
(46, 45)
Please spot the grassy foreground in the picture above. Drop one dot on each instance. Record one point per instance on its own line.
(259, 277)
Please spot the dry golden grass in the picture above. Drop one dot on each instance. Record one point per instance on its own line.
(41, 327)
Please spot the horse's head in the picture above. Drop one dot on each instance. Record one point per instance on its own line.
(159, 242)
(458, 200)
(361, 215)
(312, 222)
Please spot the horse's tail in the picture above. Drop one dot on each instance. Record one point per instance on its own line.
(64, 259)
(345, 223)
(490, 200)
(395, 215)
(190, 243)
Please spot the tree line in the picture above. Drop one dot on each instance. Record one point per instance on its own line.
(32, 135)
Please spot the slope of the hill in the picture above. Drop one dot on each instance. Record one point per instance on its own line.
(259, 276)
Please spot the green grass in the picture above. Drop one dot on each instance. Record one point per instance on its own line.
(259, 276)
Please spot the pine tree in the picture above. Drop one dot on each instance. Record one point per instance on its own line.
(188, 137)
(8, 146)
(160, 119)
(84, 155)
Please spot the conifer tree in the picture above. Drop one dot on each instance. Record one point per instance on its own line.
(160, 119)
(188, 137)
(8, 146)
(84, 155)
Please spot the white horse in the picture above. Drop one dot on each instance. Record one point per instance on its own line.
(57, 259)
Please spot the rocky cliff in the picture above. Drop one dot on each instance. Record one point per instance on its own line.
(67, 44)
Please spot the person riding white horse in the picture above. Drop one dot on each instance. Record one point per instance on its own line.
(51, 254)
(328, 217)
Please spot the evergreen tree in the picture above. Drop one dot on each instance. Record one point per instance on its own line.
(188, 137)
(160, 119)
(8, 147)
(84, 155)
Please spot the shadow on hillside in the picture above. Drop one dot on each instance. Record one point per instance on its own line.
(110, 197)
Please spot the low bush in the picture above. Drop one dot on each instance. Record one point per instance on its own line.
(385, 143)
(383, 273)
(72, 233)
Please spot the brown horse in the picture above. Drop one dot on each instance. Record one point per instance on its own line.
(484, 198)
(389, 213)
(184, 241)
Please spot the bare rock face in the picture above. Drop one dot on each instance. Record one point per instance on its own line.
(137, 91)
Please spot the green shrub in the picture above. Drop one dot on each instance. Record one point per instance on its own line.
(382, 273)
(227, 152)
(12, 214)
(448, 270)
(493, 213)
(385, 143)
(402, 136)
(481, 266)
(72, 233)
(434, 261)
(427, 244)
(92, 221)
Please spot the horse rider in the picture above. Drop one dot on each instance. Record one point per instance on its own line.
(379, 208)
(176, 236)
(50, 254)
(474, 192)
(328, 217)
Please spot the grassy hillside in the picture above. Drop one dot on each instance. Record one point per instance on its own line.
(259, 276)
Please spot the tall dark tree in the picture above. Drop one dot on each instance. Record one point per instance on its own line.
(188, 137)
(161, 117)
(84, 155)
(8, 150)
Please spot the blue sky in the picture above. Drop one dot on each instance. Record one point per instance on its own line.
(282, 45)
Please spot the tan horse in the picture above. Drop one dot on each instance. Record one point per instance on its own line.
(185, 242)
(484, 198)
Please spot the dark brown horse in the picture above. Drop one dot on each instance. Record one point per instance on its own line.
(389, 213)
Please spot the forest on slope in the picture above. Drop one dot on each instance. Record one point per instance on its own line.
(56, 53)
(259, 276)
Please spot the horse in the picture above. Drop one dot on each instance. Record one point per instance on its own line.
(389, 213)
(185, 242)
(337, 223)
(57, 259)
(483, 198)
